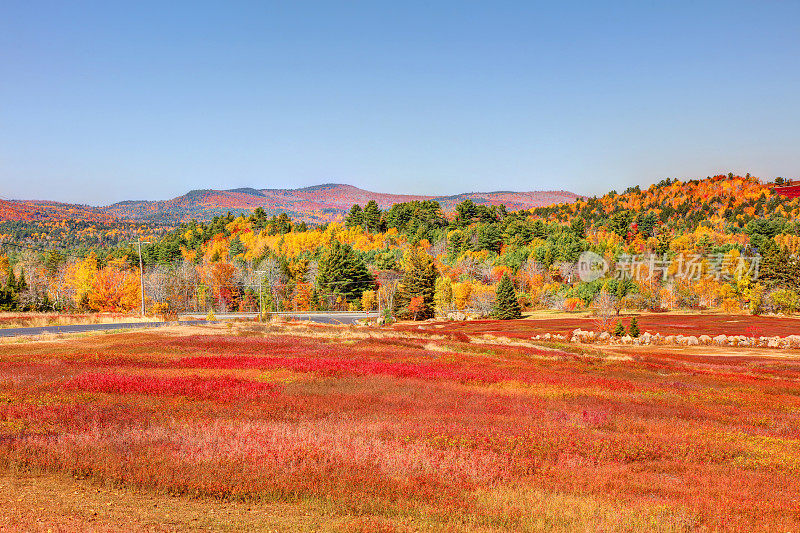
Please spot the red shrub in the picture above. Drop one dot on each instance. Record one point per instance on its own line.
(196, 387)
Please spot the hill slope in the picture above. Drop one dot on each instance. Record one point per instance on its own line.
(315, 204)
(35, 211)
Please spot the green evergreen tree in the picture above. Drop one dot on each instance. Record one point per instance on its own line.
(9, 295)
(355, 217)
(506, 305)
(343, 272)
(455, 245)
(779, 269)
(578, 227)
(633, 329)
(490, 237)
(372, 216)
(236, 247)
(259, 218)
(22, 284)
(620, 223)
(419, 280)
(619, 330)
(280, 224)
(465, 211)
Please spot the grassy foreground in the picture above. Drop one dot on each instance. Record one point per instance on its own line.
(296, 427)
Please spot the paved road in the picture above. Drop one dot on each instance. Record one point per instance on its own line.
(331, 318)
(84, 328)
(322, 318)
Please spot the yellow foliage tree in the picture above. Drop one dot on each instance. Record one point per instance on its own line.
(80, 277)
(461, 293)
(369, 300)
(443, 297)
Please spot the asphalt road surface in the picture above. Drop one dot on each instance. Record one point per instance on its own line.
(322, 318)
(84, 328)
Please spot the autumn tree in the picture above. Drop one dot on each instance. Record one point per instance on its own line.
(369, 300)
(272, 281)
(114, 288)
(419, 281)
(604, 306)
(80, 277)
(225, 289)
(443, 295)
(416, 307)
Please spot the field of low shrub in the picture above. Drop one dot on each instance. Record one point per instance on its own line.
(404, 430)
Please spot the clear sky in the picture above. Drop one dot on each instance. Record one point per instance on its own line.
(111, 100)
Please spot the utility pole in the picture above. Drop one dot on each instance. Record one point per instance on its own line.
(139, 244)
(260, 294)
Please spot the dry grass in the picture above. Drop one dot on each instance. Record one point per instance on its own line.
(37, 320)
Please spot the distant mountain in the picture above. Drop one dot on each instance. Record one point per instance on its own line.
(314, 204)
(35, 210)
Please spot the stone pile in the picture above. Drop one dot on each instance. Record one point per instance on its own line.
(586, 337)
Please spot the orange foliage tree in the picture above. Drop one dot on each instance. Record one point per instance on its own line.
(114, 288)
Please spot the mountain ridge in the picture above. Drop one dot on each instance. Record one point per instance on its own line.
(316, 203)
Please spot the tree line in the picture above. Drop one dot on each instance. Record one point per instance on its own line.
(413, 260)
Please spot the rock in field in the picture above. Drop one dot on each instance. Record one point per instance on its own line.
(774, 342)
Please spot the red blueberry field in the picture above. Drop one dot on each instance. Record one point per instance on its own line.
(297, 427)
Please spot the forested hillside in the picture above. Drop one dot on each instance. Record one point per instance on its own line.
(32, 210)
(724, 242)
(317, 204)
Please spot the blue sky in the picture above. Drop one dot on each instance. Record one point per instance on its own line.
(106, 101)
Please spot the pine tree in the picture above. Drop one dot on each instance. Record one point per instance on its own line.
(343, 272)
(490, 237)
(779, 269)
(372, 216)
(355, 217)
(419, 281)
(506, 305)
(578, 227)
(9, 296)
(236, 247)
(619, 330)
(633, 329)
(8, 299)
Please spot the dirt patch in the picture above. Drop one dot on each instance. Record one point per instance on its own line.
(59, 503)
